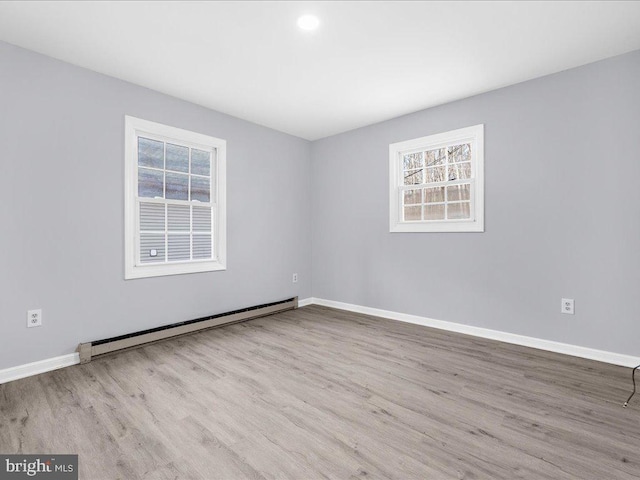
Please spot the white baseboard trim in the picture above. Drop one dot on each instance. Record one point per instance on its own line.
(47, 365)
(305, 301)
(29, 369)
(35, 368)
(551, 346)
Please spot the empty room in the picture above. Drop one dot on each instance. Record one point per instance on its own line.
(319, 240)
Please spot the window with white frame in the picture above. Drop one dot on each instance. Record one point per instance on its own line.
(175, 217)
(437, 182)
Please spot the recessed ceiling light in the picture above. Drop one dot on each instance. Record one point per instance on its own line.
(308, 22)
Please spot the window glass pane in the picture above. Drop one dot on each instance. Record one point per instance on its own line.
(200, 162)
(435, 174)
(432, 195)
(150, 183)
(150, 153)
(435, 157)
(201, 219)
(177, 186)
(201, 246)
(460, 153)
(152, 217)
(412, 197)
(458, 210)
(434, 212)
(412, 161)
(459, 192)
(200, 189)
(177, 158)
(412, 213)
(179, 217)
(151, 248)
(413, 177)
(179, 248)
(459, 171)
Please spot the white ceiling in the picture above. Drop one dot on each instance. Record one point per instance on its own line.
(368, 61)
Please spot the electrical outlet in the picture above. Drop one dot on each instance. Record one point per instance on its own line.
(34, 318)
(567, 306)
(295, 278)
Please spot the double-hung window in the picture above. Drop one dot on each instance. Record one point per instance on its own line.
(437, 182)
(175, 218)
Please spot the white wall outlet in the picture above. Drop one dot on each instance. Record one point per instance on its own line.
(567, 306)
(34, 318)
(295, 278)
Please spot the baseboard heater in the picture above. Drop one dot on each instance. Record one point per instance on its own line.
(93, 349)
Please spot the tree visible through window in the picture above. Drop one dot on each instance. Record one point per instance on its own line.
(436, 182)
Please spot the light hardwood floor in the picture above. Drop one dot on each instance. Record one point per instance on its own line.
(322, 393)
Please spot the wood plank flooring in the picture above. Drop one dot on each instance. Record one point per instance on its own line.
(322, 393)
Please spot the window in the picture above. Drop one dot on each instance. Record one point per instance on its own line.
(175, 218)
(437, 182)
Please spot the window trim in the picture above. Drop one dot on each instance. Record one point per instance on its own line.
(135, 127)
(473, 135)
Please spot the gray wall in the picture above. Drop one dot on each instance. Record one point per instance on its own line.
(61, 220)
(562, 211)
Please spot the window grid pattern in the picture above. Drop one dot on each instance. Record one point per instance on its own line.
(175, 204)
(437, 184)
